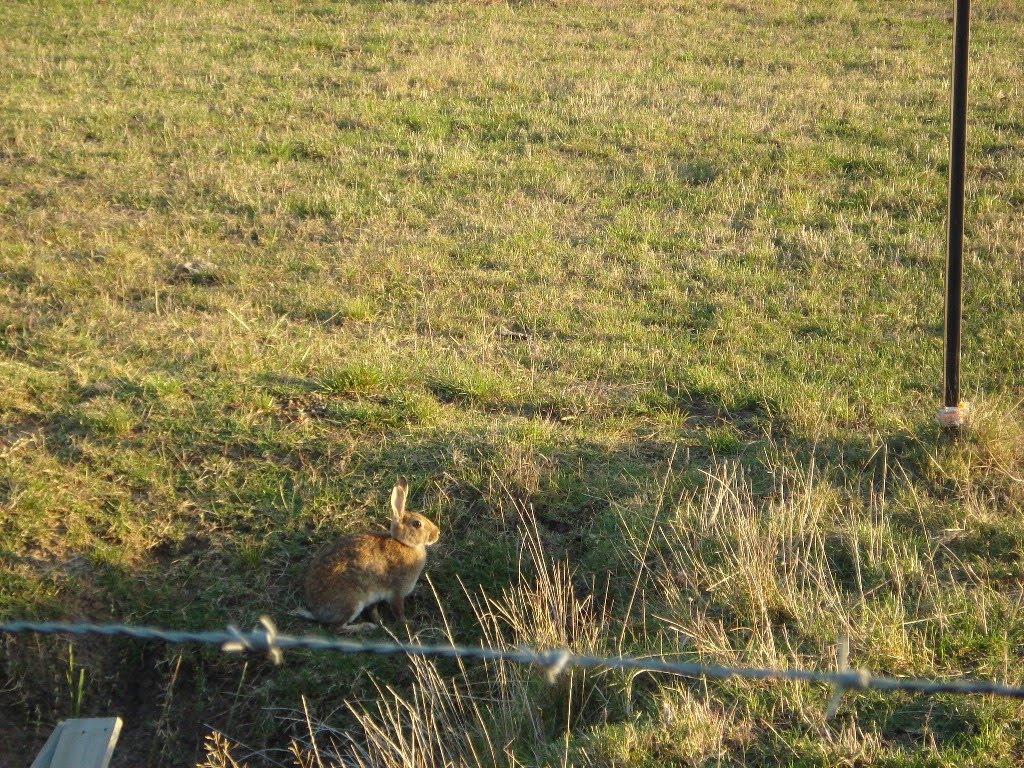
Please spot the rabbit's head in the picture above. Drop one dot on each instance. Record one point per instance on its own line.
(410, 528)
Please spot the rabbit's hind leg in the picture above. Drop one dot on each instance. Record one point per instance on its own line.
(356, 629)
(364, 626)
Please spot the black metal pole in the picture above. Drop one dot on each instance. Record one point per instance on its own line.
(955, 231)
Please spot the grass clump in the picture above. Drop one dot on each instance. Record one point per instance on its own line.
(356, 378)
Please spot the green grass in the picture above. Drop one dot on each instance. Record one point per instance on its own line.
(602, 260)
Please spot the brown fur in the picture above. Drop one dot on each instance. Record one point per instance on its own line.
(361, 569)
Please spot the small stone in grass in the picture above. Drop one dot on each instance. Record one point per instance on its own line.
(196, 271)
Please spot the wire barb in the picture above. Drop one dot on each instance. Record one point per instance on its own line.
(842, 663)
(557, 662)
(258, 641)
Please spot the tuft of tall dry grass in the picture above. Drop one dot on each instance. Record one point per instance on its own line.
(775, 579)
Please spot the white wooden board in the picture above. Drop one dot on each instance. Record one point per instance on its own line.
(83, 743)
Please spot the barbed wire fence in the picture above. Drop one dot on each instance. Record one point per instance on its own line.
(266, 640)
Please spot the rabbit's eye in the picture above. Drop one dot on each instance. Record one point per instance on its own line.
(416, 524)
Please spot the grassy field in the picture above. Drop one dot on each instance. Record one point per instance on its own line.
(645, 300)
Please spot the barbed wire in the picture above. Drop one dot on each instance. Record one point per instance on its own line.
(266, 640)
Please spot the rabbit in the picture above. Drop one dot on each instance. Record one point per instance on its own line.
(360, 570)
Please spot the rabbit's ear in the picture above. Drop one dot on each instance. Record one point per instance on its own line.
(398, 494)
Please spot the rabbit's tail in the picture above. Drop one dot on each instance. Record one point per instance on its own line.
(302, 613)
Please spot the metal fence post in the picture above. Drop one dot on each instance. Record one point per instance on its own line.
(952, 413)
